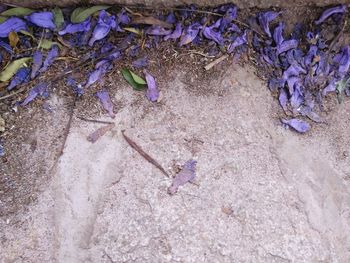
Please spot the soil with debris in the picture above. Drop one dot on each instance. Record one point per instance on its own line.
(264, 194)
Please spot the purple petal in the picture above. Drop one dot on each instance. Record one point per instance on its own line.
(265, 19)
(106, 102)
(12, 24)
(275, 84)
(176, 33)
(158, 31)
(104, 25)
(287, 45)
(152, 91)
(187, 174)
(278, 34)
(6, 46)
(291, 84)
(229, 16)
(98, 73)
(297, 99)
(38, 90)
(330, 87)
(74, 28)
(310, 55)
(293, 70)
(53, 53)
(345, 60)
(283, 99)
(241, 40)
(171, 19)
(140, 63)
(211, 34)
(189, 34)
(123, 17)
(42, 19)
(234, 28)
(21, 76)
(329, 12)
(298, 125)
(37, 62)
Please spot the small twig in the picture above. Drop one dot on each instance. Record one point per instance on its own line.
(144, 154)
(95, 121)
(215, 62)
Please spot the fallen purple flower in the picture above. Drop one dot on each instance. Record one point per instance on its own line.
(296, 99)
(187, 174)
(74, 28)
(152, 91)
(37, 62)
(278, 34)
(12, 24)
(39, 90)
(241, 40)
(344, 63)
(77, 88)
(123, 17)
(176, 33)
(265, 19)
(158, 31)
(21, 76)
(229, 16)
(171, 19)
(211, 34)
(287, 45)
(140, 63)
(98, 73)
(189, 34)
(42, 19)
(329, 12)
(293, 70)
(234, 28)
(51, 56)
(104, 25)
(332, 86)
(298, 125)
(106, 102)
(291, 84)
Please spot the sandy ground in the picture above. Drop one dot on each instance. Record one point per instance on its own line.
(262, 193)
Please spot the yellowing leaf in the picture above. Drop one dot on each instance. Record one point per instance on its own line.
(17, 11)
(47, 44)
(81, 13)
(133, 30)
(12, 68)
(13, 38)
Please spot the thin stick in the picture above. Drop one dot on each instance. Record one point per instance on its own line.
(144, 154)
(216, 61)
(95, 121)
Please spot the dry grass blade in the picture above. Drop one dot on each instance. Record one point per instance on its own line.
(148, 20)
(93, 137)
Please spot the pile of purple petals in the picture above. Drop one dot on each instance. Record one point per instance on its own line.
(303, 69)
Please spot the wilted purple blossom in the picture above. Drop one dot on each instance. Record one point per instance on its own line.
(189, 34)
(171, 19)
(42, 19)
(287, 45)
(176, 33)
(293, 70)
(229, 16)
(51, 56)
(123, 17)
(278, 34)
(344, 62)
(106, 102)
(39, 90)
(104, 25)
(6, 46)
(140, 63)
(329, 12)
(98, 73)
(213, 34)
(187, 174)
(21, 76)
(13, 24)
(74, 28)
(37, 62)
(152, 91)
(332, 85)
(283, 99)
(265, 19)
(298, 125)
(240, 40)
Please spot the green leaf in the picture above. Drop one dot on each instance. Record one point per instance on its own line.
(27, 34)
(137, 78)
(47, 44)
(58, 17)
(17, 11)
(12, 68)
(129, 78)
(81, 13)
(3, 19)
